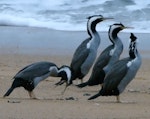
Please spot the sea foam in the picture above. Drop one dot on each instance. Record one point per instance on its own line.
(71, 15)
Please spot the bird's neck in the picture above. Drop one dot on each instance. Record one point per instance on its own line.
(113, 34)
(133, 53)
(117, 43)
(135, 57)
(91, 28)
(115, 52)
(94, 41)
(94, 36)
(118, 46)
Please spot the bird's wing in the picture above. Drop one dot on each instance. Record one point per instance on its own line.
(24, 69)
(80, 55)
(34, 70)
(103, 58)
(116, 74)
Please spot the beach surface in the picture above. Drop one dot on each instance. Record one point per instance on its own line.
(21, 46)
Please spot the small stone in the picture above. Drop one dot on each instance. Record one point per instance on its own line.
(86, 94)
(70, 98)
(14, 101)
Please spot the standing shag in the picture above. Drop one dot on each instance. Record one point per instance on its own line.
(121, 73)
(86, 52)
(108, 57)
(31, 75)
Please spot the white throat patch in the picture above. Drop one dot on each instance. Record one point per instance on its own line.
(89, 44)
(112, 52)
(129, 63)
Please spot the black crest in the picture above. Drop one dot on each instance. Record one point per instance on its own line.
(133, 37)
(94, 16)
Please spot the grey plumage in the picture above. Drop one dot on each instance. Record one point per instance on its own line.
(121, 73)
(79, 58)
(108, 57)
(86, 52)
(30, 76)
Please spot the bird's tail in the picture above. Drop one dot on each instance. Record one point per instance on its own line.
(82, 85)
(9, 92)
(95, 96)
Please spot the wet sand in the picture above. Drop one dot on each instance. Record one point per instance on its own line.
(22, 46)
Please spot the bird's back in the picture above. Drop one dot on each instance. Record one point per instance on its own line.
(116, 74)
(34, 70)
(103, 59)
(97, 72)
(132, 70)
(79, 56)
(80, 53)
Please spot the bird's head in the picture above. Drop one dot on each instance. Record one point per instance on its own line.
(97, 18)
(133, 37)
(93, 21)
(65, 73)
(115, 29)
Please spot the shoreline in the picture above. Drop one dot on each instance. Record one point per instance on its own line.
(30, 40)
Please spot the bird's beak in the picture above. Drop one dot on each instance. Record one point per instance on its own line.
(107, 18)
(127, 27)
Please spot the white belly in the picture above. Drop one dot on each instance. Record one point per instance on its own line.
(38, 79)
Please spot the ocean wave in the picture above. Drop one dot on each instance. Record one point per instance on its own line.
(71, 15)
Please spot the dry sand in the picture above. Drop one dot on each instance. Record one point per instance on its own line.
(53, 105)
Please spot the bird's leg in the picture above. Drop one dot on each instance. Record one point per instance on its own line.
(125, 102)
(118, 99)
(81, 80)
(60, 82)
(32, 95)
(57, 83)
(64, 89)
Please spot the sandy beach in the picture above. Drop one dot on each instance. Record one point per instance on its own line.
(21, 46)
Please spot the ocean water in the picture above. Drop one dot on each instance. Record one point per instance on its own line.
(72, 14)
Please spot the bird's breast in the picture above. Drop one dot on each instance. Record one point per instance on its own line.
(135, 63)
(38, 79)
(88, 44)
(94, 42)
